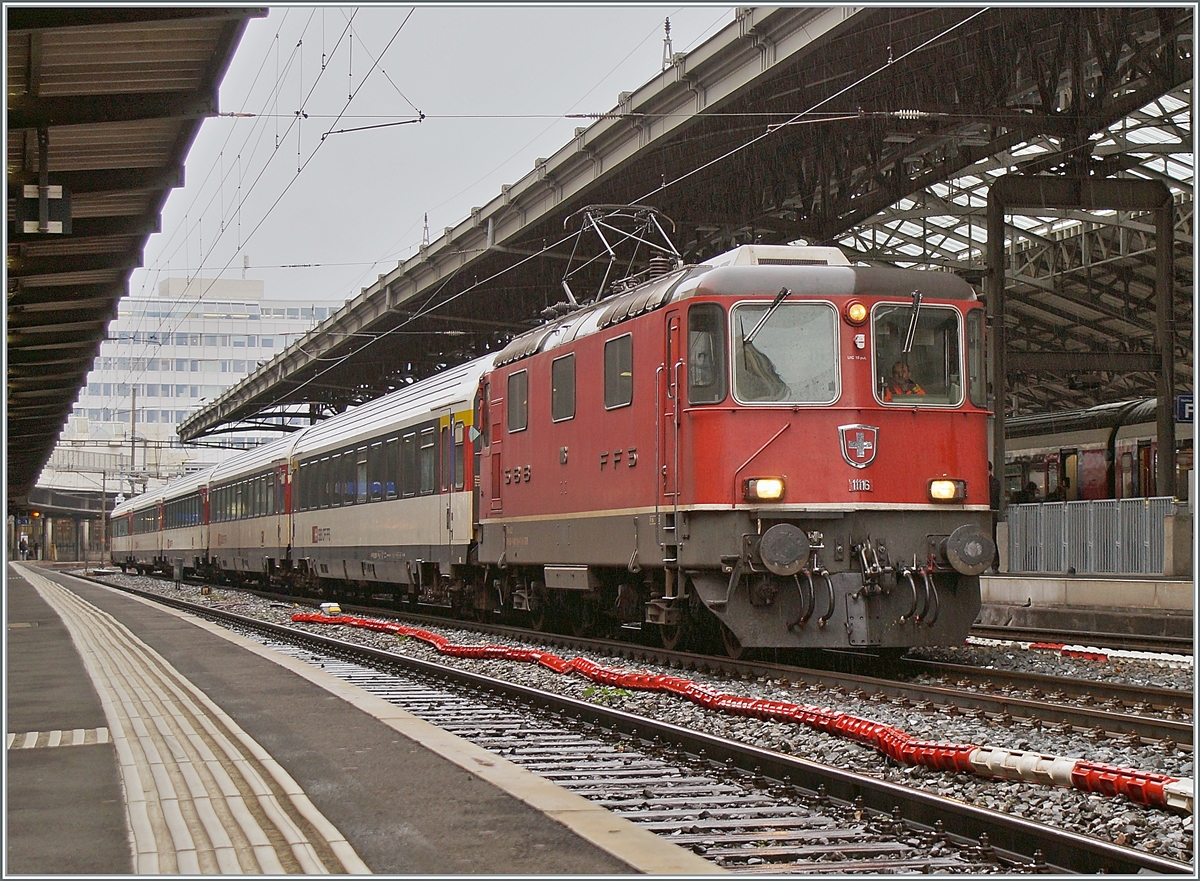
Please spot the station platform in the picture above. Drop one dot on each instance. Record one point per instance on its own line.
(1129, 604)
(143, 740)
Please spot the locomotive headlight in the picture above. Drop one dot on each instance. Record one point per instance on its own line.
(855, 313)
(764, 489)
(947, 490)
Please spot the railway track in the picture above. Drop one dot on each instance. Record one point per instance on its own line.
(1126, 711)
(748, 809)
(1004, 697)
(1135, 642)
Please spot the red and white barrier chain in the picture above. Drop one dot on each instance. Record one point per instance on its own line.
(1143, 787)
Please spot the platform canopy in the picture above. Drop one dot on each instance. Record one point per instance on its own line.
(103, 105)
(877, 129)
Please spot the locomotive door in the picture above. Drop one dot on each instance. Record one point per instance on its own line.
(669, 411)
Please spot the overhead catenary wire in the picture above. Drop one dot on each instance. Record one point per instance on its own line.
(794, 119)
(159, 330)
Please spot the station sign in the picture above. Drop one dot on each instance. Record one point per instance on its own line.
(1184, 407)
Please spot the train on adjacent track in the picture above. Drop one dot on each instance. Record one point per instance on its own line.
(773, 448)
(1103, 452)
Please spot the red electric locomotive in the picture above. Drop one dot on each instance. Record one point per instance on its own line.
(775, 447)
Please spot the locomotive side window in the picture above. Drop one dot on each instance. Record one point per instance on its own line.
(976, 375)
(618, 372)
(518, 401)
(791, 356)
(706, 354)
(918, 356)
(562, 388)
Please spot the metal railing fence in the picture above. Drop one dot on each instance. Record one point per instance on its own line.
(1108, 536)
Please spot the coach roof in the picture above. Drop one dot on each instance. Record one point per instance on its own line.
(453, 387)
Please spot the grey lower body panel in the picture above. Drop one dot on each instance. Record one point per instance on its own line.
(916, 598)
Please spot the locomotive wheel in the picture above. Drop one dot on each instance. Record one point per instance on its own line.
(671, 635)
(583, 617)
(733, 646)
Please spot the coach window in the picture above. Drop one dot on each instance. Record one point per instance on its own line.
(304, 475)
(447, 453)
(706, 354)
(349, 469)
(562, 388)
(335, 480)
(976, 378)
(518, 401)
(460, 455)
(408, 459)
(427, 461)
(320, 475)
(618, 372)
(361, 475)
(391, 466)
(375, 470)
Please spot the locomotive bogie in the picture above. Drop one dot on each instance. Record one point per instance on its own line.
(860, 578)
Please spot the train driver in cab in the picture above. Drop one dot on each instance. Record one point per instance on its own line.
(901, 382)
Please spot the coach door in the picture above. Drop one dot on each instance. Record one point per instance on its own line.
(450, 444)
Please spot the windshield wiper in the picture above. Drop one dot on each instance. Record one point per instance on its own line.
(779, 298)
(912, 323)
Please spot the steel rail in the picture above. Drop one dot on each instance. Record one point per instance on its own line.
(1179, 645)
(1041, 701)
(1012, 837)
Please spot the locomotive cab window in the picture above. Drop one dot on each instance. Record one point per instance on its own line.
(976, 376)
(706, 354)
(785, 353)
(918, 355)
(518, 401)
(618, 372)
(562, 388)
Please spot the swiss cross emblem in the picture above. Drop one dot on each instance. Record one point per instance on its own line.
(859, 443)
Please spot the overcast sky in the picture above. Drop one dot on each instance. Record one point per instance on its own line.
(495, 85)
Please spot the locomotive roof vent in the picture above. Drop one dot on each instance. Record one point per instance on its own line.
(779, 255)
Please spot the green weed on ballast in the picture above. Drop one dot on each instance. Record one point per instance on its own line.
(606, 694)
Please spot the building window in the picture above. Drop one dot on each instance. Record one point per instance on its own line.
(618, 372)
(562, 388)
